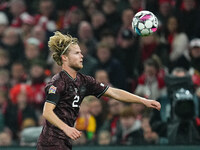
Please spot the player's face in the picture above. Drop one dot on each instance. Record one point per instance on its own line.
(127, 122)
(75, 57)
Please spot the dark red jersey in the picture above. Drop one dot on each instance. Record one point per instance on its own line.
(67, 94)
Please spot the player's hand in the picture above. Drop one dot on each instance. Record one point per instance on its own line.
(73, 133)
(152, 104)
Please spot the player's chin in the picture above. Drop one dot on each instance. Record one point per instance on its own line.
(77, 68)
(81, 66)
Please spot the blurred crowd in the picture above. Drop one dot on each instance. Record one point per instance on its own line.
(164, 66)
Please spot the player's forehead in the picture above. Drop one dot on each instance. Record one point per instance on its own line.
(74, 48)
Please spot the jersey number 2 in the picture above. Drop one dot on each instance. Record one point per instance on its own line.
(76, 100)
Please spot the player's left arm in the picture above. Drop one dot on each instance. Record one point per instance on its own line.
(125, 96)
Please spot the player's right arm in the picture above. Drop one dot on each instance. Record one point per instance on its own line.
(49, 115)
(125, 96)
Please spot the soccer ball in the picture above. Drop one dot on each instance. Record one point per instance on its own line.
(145, 23)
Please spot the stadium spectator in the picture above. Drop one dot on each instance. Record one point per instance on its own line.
(85, 35)
(126, 17)
(3, 23)
(28, 23)
(175, 38)
(90, 7)
(128, 54)
(130, 131)
(38, 83)
(20, 109)
(109, 8)
(71, 20)
(86, 121)
(187, 13)
(40, 34)
(4, 59)
(30, 134)
(18, 73)
(186, 60)
(151, 83)
(98, 109)
(12, 43)
(109, 38)
(17, 9)
(147, 47)
(104, 138)
(195, 61)
(139, 111)
(89, 61)
(5, 139)
(111, 65)
(112, 123)
(165, 10)
(98, 22)
(150, 136)
(24, 90)
(101, 75)
(32, 51)
(46, 17)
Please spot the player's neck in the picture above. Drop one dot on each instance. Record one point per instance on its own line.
(70, 71)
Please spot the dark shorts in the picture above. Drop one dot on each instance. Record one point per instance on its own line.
(53, 147)
(53, 143)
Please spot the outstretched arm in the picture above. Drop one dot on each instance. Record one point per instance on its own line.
(125, 96)
(49, 114)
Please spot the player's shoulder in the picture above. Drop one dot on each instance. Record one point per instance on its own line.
(84, 77)
(57, 81)
(57, 78)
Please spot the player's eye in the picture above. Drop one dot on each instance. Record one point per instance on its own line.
(78, 52)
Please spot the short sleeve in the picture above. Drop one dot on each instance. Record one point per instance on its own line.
(95, 88)
(53, 91)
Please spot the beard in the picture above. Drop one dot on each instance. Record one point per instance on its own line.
(76, 67)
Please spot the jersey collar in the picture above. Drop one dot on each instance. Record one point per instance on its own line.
(69, 75)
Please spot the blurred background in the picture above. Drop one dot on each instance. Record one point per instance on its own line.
(164, 66)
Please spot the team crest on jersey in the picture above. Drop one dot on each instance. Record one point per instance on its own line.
(82, 90)
(76, 90)
(70, 89)
(52, 89)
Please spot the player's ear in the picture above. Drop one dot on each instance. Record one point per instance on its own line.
(64, 57)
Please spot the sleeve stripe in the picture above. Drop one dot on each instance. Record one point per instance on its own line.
(51, 102)
(103, 92)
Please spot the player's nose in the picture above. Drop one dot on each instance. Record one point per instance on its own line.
(82, 56)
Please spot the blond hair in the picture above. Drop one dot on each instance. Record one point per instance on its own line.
(59, 44)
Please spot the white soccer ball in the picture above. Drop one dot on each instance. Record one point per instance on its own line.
(145, 23)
